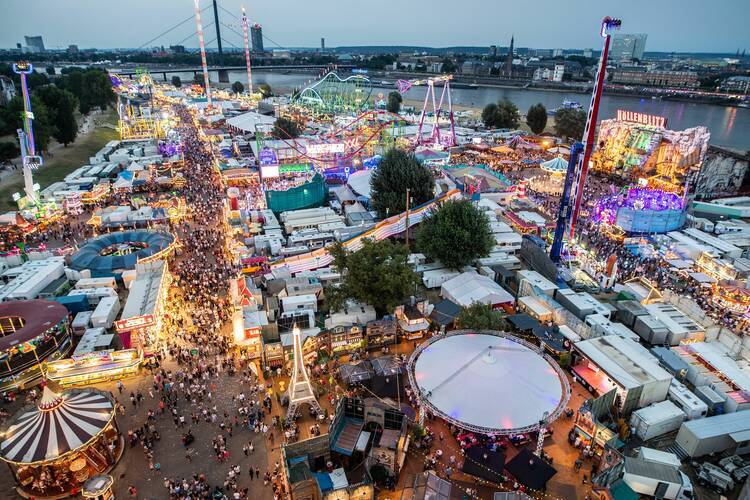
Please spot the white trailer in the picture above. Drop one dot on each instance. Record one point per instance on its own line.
(656, 420)
(105, 313)
(81, 322)
(436, 277)
(86, 283)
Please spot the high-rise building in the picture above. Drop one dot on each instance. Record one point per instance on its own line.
(588, 53)
(322, 44)
(493, 50)
(626, 47)
(256, 37)
(34, 43)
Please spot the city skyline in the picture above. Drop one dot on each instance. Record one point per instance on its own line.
(292, 24)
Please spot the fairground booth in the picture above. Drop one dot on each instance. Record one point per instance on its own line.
(31, 331)
(52, 448)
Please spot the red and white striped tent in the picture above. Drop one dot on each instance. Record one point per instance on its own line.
(59, 424)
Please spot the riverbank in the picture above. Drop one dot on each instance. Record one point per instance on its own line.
(96, 131)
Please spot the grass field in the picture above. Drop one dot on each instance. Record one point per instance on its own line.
(64, 161)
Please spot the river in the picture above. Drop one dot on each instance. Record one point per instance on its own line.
(729, 126)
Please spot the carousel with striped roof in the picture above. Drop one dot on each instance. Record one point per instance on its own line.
(53, 447)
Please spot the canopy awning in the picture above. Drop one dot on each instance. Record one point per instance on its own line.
(59, 424)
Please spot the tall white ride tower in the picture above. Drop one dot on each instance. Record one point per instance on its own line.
(300, 388)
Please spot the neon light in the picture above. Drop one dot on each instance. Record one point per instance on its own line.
(642, 118)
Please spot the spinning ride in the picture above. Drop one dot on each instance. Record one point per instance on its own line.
(489, 382)
(54, 447)
(641, 210)
(448, 137)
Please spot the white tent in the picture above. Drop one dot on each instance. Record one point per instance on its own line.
(247, 121)
(470, 287)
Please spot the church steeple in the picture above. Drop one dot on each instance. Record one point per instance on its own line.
(509, 59)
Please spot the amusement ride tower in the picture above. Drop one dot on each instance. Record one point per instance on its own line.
(202, 44)
(247, 52)
(580, 154)
(31, 161)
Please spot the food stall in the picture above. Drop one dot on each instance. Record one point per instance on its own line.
(49, 452)
(94, 367)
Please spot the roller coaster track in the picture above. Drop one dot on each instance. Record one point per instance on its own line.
(382, 230)
(293, 144)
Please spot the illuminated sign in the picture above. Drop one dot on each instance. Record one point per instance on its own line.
(267, 156)
(641, 118)
(325, 148)
(269, 171)
(94, 356)
(294, 168)
(125, 325)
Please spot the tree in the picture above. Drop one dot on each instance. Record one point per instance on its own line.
(8, 151)
(265, 90)
(61, 105)
(394, 102)
(480, 316)
(377, 274)
(448, 66)
(570, 123)
(398, 171)
(456, 234)
(50, 70)
(43, 123)
(284, 128)
(176, 81)
(489, 114)
(536, 118)
(238, 88)
(504, 114)
(198, 79)
(507, 115)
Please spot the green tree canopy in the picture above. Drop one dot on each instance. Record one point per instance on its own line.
(50, 69)
(265, 90)
(504, 114)
(536, 118)
(61, 105)
(284, 128)
(238, 88)
(378, 274)
(480, 316)
(448, 65)
(92, 87)
(397, 172)
(43, 123)
(394, 102)
(456, 234)
(570, 123)
(8, 151)
(176, 81)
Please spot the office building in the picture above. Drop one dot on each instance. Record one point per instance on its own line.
(322, 44)
(661, 78)
(256, 37)
(73, 49)
(34, 43)
(493, 50)
(626, 47)
(588, 53)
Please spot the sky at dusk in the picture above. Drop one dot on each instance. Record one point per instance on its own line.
(671, 25)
